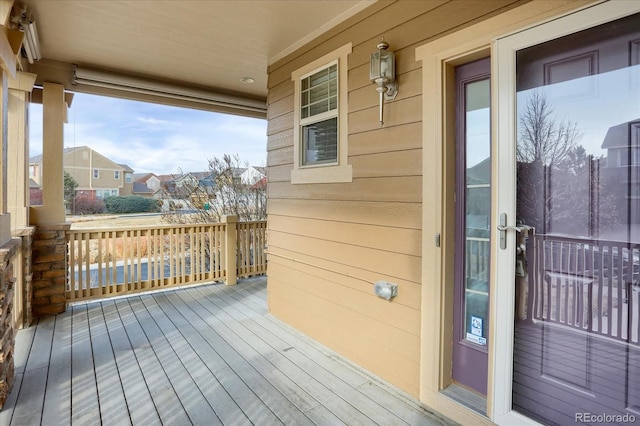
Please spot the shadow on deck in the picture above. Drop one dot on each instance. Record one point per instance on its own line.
(202, 355)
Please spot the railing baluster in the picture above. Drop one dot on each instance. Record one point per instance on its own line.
(137, 258)
(87, 287)
(71, 293)
(620, 285)
(192, 254)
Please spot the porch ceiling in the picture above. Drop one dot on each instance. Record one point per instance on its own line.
(208, 45)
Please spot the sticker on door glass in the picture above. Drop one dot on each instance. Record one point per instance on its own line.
(476, 331)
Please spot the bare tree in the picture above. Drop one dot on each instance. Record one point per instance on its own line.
(543, 138)
(554, 172)
(222, 192)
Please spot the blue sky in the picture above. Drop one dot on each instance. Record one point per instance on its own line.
(155, 138)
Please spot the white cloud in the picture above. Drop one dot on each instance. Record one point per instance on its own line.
(155, 121)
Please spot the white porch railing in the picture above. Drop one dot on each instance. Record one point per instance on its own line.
(107, 262)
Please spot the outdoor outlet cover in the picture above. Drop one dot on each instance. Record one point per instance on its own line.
(385, 289)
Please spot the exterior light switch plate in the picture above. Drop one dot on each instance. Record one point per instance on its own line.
(385, 289)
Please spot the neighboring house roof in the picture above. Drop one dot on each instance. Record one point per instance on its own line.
(618, 136)
(33, 184)
(125, 167)
(166, 178)
(480, 173)
(143, 177)
(261, 184)
(37, 159)
(253, 174)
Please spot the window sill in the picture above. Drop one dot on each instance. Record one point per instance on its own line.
(327, 174)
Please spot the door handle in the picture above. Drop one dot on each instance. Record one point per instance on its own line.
(503, 228)
(509, 228)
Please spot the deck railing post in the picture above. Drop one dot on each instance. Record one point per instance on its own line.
(230, 243)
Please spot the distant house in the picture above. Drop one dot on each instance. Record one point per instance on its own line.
(253, 174)
(200, 188)
(196, 187)
(145, 184)
(96, 175)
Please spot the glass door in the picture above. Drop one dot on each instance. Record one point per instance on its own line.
(473, 220)
(577, 342)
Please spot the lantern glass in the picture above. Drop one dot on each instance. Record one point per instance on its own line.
(382, 66)
(374, 72)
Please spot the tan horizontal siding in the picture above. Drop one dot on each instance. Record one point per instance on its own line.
(374, 259)
(346, 332)
(388, 164)
(397, 113)
(280, 173)
(397, 215)
(406, 189)
(280, 156)
(386, 139)
(408, 296)
(354, 294)
(279, 140)
(280, 123)
(329, 243)
(395, 240)
(364, 97)
(279, 91)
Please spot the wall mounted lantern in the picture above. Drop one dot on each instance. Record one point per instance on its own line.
(383, 73)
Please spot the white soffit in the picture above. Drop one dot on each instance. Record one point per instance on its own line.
(209, 44)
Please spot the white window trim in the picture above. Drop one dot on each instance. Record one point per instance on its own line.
(116, 174)
(328, 172)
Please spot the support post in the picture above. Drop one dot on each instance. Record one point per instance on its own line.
(54, 114)
(230, 249)
(18, 155)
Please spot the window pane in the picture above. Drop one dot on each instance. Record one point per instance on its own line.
(320, 142)
(320, 107)
(318, 92)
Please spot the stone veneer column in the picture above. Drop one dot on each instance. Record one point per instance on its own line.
(7, 337)
(49, 265)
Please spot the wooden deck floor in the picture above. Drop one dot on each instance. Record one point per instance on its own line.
(204, 355)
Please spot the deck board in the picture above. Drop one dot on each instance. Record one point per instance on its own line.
(108, 382)
(203, 355)
(191, 397)
(57, 403)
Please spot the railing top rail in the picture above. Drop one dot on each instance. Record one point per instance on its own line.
(151, 227)
(579, 240)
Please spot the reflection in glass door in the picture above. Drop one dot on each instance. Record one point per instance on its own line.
(473, 210)
(577, 348)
